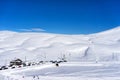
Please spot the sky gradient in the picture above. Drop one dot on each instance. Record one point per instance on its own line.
(59, 16)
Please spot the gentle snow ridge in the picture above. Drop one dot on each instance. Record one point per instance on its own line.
(45, 46)
(90, 57)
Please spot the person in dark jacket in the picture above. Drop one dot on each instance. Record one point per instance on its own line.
(57, 64)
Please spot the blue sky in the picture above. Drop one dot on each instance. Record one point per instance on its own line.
(59, 16)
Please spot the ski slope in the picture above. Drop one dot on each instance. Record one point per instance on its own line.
(69, 71)
(37, 46)
(94, 56)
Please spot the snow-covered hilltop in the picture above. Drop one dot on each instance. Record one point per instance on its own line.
(93, 56)
(103, 46)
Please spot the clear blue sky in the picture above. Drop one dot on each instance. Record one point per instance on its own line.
(60, 16)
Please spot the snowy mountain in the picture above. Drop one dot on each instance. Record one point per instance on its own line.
(93, 56)
(33, 46)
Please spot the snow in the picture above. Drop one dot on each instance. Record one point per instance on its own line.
(69, 71)
(90, 57)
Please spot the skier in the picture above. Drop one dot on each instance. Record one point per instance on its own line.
(57, 64)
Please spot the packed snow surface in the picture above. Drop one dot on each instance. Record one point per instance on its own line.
(66, 71)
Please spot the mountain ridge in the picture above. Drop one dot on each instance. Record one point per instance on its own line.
(32, 45)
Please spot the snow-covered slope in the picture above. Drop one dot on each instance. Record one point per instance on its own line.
(65, 71)
(103, 46)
